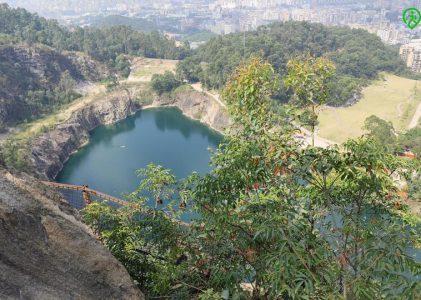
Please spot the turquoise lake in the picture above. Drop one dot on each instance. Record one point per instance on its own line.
(163, 136)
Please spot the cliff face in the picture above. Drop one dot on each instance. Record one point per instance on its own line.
(197, 106)
(46, 252)
(38, 69)
(51, 150)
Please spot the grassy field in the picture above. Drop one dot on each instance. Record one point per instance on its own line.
(393, 98)
(144, 68)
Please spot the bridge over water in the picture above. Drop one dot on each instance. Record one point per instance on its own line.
(79, 196)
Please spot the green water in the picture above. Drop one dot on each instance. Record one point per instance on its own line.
(161, 135)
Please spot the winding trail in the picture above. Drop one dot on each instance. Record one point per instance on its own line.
(307, 136)
(415, 118)
(198, 87)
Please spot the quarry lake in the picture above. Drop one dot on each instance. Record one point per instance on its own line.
(163, 136)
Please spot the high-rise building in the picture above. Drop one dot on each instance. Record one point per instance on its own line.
(411, 54)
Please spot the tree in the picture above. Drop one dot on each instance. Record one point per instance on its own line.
(189, 70)
(64, 92)
(122, 64)
(381, 130)
(288, 222)
(164, 83)
(358, 55)
(411, 140)
(308, 77)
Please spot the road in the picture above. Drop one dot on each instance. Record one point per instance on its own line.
(415, 118)
(318, 141)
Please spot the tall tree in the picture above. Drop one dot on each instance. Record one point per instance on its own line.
(308, 77)
(274, 220)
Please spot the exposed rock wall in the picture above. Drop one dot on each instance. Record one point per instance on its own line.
(51, 150)
(197, 106)
(46, 252)
(37, 68)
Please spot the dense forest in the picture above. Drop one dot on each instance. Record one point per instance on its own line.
(103, 44)
(359, 56)
(35, 53)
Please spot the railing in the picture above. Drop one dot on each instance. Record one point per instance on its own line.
(86, 196)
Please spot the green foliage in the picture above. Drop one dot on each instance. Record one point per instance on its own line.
(14, 154)
(122, 65)
(112, 83)
(117, 20)
(412, 140)
(103, 44)
(307, 77)
(199, 36)
(289, 222)
(381, 130)
(358, 55)
(164, 83)
(189, 70)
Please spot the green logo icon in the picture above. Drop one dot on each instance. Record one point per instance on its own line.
(412, 17)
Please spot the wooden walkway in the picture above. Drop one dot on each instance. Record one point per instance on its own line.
(87, 193)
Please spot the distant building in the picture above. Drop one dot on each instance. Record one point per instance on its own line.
(411, 54)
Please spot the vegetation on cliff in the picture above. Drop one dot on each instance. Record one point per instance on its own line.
(274, 220)
(103, 44)
(40, 61)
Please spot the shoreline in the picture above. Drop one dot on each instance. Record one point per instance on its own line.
(51, 150)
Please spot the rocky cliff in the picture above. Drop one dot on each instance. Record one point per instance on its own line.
(37, 69)
(46, 252)
(50, 150)
(198, 106)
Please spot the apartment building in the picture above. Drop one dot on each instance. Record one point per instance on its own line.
(411, 54)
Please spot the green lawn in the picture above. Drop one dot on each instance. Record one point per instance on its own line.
(393, 98)
(144, 68)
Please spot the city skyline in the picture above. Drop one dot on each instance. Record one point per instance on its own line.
(382, 17)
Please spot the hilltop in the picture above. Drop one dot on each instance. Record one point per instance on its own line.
(358, 55)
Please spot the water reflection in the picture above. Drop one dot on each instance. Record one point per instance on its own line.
(162, 136)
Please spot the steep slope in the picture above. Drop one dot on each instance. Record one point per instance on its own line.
(29, 75)
(47, 253)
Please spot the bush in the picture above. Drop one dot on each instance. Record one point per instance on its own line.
(164, 83)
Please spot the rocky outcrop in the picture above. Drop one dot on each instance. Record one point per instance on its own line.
(46, 252)
(37, 70)
(199, 106)
(50, 150)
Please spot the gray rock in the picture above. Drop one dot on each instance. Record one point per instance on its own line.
(51, 150)
(46, 252)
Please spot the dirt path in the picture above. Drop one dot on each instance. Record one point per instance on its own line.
(91, 95)
(318, 141)
(415, 118)
(198, 87)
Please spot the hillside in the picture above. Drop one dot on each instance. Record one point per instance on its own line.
(41, 62)
(36, 79)
(103, 44)
(116, 20)
(393, 99)
(359, 56)
(48, 253)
